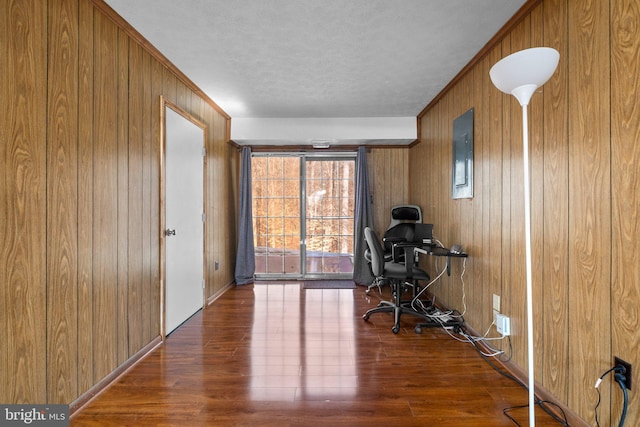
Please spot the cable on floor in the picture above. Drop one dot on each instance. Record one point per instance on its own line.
(541, 403)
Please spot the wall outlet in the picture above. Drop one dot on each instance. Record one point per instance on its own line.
(496, 302)
(503, 325)
(627, 367)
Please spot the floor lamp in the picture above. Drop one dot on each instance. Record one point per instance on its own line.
(520, 74)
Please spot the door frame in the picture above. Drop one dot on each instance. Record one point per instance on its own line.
(304, 157)
(165, 103)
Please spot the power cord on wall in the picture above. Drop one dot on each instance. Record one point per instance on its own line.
(620, 378)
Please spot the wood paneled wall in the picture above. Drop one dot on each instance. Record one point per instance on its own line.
(584, 127)
(80, 196)
(389, 182)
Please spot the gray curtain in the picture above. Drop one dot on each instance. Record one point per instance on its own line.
(245, 258)
(363, 218)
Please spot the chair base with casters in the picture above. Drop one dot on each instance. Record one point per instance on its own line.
(399, 276)
(397, 306)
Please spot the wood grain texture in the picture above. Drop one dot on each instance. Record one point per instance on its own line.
(23, 201)
(62, 202)
(154, 226)
(85, 198)
(536, 144)
(555, 299)
(105, 198)
(389, 182)
(625, 176)
(148, 225)
(589, 200)
(79, 159)
(122, 237)
(493, 252)
(583, 128)
(159, 58)
(135, 186)
(515, 287)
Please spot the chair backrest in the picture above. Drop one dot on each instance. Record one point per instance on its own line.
(377, 254)
(405, 213)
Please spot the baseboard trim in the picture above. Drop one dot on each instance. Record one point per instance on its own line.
(97, 389)
(218, 294)
(542, 393)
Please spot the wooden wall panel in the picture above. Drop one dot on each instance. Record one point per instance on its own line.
(555, 299)
(105, 198)
(589, 200)
(514, 291)
(123, 197)
(62, 200)
(475, 289)
(85, 198)
(389, 183)
(80, 197)
(494, 249)
(212, 246)
(136, 224)
(23, 189)
(584, 156)
(536, 144)
(625, 176)
(147, 223)
(157, 74)
(482, 193)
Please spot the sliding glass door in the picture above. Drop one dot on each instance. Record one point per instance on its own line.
(310, 239)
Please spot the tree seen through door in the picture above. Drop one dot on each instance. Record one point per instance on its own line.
(319, 245)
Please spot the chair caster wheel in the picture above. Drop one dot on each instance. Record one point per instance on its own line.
(395, 329)
(418, 330)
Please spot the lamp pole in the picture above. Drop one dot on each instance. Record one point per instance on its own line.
(528, 264)
(520, 74)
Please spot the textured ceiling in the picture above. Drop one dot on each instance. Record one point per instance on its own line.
(319, 58)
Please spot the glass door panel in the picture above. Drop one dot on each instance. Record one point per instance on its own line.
(330, 195)
(303, 240)
(276, 215)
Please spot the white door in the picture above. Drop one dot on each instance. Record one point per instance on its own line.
(184, 236)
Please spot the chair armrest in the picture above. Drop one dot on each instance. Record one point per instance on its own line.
(394, 240)
(409, 249)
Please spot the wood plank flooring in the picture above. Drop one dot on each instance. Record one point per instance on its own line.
(279, 355)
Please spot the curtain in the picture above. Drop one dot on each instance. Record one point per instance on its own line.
(363, 218)
(245, 258)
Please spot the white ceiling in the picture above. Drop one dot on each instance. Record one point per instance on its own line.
(319, 58)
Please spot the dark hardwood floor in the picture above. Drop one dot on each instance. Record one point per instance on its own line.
(278, 355)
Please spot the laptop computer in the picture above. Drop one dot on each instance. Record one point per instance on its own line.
(423, 233)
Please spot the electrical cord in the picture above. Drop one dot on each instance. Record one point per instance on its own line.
(541, 403)
(622, 382)
(416, 300)
(417, 303)
(620, 378)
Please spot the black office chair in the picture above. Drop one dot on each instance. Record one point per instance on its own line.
(399, 275)
(401, 229)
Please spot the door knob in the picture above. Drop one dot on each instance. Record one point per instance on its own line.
(170, 232)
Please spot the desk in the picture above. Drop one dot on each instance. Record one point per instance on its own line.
(434, 316)
(441, 252)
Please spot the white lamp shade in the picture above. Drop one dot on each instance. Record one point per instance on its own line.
(521, 73)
